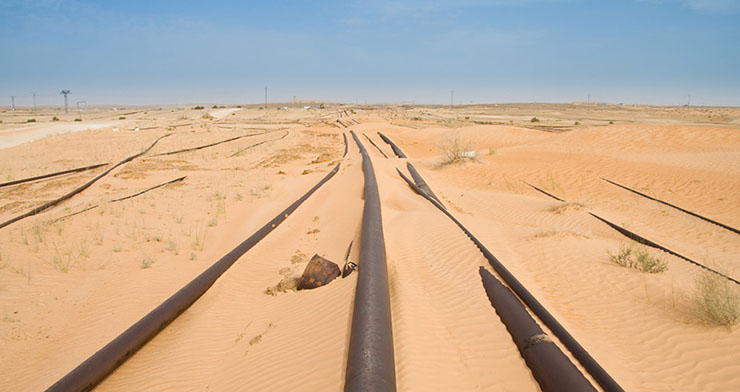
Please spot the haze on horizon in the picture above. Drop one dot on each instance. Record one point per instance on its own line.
(180, 52)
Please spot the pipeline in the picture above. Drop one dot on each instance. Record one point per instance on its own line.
(421, 183)
(587, 361)
(375, 145)
(645, 241)
(546, 193)
(241, 150)
(211, 144)
(55, 174)
(119, 199)
(370, 359)
(550, 367)
(674, 206)
(86, 185)
(93, 370)
(396, 149)
(346, 145)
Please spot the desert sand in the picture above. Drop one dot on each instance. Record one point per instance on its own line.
(70, 284)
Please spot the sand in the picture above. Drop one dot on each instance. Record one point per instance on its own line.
(69, 287)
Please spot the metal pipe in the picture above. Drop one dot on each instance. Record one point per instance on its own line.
(550, 367)
(370, 359)
(96, 368)
(580, 353)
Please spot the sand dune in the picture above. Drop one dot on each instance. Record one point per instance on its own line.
(69, 287)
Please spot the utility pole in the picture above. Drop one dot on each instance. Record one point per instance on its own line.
(265, 98)
(12, 100)
(34, 102)
(65, 93)
(78, 109)
(452, 92)
(689, 104)
(589, 98)
(294, 100)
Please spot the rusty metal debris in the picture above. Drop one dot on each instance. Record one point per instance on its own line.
(318, 272)
(93, 370)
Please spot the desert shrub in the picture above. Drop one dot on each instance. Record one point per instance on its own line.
(146, 262)
(611, 122)
(416, 118)
(215, 107)
(207, 116)
(199, 107)
(456, 150)
(577, 123)
(535, 119)
(122, 118)
(716, 300)
(31, 120)
(638, 258)
(78, 119)
(55, 118)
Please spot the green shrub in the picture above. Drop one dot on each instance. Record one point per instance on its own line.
(122, 118)
(78, 119)
(534, 119)
(30, 120)
(199, 107)
(55, 118)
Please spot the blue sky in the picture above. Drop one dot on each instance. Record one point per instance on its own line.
(159, 52)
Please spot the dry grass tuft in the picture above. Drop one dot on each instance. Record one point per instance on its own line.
(457, 150)
(563, 207)
(716, 300)
(638, 258)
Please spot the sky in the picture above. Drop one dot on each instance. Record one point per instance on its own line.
(371, 51)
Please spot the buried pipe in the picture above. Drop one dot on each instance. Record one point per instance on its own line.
(370, 359)
(736, 231)
(84, 186)
(55, 174)
(642, 240)
(119, 199)
(586, 360)
(546, 193)
(396, 149)
(421, 183)
(241, 150)
(211, 144)
(550, 367)
(375, 145)
(346, 145)
(96, 368)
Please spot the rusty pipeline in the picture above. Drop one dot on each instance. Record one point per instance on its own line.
(584, 358)
(370, 358)
(93, 370)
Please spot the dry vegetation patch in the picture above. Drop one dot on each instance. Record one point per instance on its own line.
(639, 258)
(716, 300)
(457, 150)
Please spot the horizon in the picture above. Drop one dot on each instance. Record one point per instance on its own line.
(643, 52)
